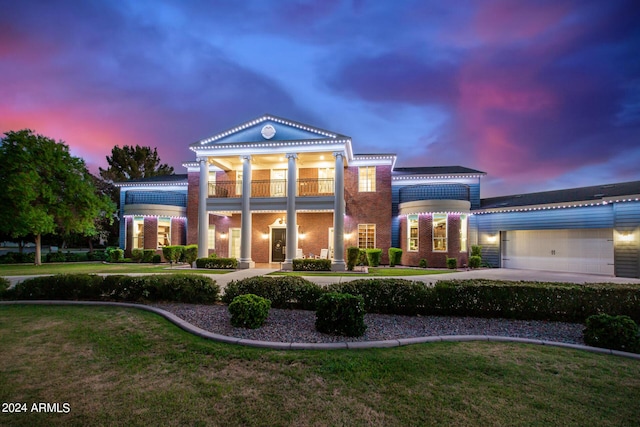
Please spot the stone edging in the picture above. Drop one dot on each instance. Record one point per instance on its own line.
(188, 327)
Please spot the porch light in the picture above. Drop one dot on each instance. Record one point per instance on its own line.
(223, 235)
(265, 236)
(492, 239)
(626, 237)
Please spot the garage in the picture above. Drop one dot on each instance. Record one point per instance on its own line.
(574, 251)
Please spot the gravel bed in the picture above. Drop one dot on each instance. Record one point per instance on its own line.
(299, 326)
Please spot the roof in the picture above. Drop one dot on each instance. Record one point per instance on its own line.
(175, 179)
(595, 193)
(437, 170)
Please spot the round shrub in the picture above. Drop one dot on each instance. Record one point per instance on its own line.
(423, 263)
(452, 263)
(613, 332)
(341, 314)
(249, 311)
(474, 261)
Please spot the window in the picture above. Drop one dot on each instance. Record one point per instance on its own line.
(367, 178)
(211, 237)
(138, 232)
(439, 232)
(164, 232)
(366, 236)
(212, 183)
(463, 233)
(326, 177)
(412, 233)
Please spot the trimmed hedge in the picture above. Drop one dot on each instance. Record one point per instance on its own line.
(388, 296)
(373, 257)
(452, 263)
(353, 253)
(341, 314)
(282, 291)
(474, 261)
(188, 288)
(614, 332)
(172, 253)
(215, 263)
(249, 311)
(311, 264)
(422, 263)
(395, 256)
(189, 254)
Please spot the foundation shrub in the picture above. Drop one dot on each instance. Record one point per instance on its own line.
(172, 253)
(613, 332)
(312, 264)
(373, 257)
(162, 287)
(452, 263)
(137, 255)
(97, 255)
(340, 314)
(217, 263)
(476, 250)
(352, 257)
(189, 254)
(249, 311)
(156, 259)
(17, 258)
(115, 254)
(148, 255)
(422, 263)
(474, 261)
(282, 291)
(55, 257)
(388, 296)
(395, 257)
(362, 257)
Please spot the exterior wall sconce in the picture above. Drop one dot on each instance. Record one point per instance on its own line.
(301, 236)
(347, 235)
(492, 239)
(223, 235)
(627, 237)
(265, 236)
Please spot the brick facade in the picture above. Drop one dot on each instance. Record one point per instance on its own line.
(425, 243)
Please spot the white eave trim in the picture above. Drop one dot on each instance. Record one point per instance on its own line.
(562, 205)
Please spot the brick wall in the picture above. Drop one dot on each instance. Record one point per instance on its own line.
(369, 208)
(178, 231)
(129, 236)
(425, 233)
(192, 208)
(150, 233)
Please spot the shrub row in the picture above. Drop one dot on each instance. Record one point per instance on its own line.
(143, 255)
(309, 264)
(282, 291)
(186, 288)
(214, 263)
(477, 298)
(340, 314)
(29, 258)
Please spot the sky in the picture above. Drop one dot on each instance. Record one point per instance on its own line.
(540, 95)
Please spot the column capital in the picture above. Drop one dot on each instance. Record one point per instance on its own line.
(246, 157)
(202, 159)
(291, 155)
(338, 153)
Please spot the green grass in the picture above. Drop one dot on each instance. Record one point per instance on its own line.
(124, 367)
(97, 268)
(373, 272)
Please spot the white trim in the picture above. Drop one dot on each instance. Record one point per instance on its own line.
(562, 205)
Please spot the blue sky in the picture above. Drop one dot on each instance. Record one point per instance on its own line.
(539, 94)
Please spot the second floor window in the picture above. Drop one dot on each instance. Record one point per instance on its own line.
(367, 178)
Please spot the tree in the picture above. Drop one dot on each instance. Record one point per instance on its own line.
(132, 163)
(46, 189)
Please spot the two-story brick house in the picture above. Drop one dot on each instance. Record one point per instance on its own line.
(271, 190)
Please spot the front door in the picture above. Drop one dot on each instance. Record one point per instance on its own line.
(278, 244)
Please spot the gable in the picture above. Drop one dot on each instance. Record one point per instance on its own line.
(268, 128)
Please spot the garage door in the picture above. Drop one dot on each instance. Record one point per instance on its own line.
(574, 251)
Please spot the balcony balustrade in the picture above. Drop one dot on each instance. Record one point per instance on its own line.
(306, 187)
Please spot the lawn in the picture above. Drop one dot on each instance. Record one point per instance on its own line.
(116, 366)
(373, 272)
(97, 268)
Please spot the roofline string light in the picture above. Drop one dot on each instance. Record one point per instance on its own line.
(274, 144)
(542, 208)
(263, 119)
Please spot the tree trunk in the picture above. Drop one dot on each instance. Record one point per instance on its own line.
(38, 260)
(90, 245)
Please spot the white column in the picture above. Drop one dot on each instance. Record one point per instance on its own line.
(203, 215)
(338, 215)
(292, 228)
(246, 232)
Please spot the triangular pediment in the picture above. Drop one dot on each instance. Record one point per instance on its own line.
(269, 128)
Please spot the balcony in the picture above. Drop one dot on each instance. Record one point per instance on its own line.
(306, 187)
